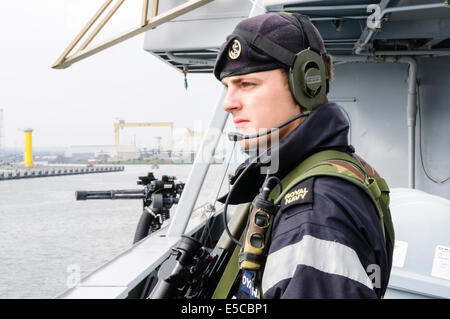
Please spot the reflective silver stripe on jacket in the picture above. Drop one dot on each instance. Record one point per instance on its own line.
(324, 255)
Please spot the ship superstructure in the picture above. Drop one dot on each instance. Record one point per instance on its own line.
(391, 62)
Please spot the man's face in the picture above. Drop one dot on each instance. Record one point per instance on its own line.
(260, 100)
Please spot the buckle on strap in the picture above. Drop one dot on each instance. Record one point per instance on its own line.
(255, 258)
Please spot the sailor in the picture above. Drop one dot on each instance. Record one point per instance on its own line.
(326, 238)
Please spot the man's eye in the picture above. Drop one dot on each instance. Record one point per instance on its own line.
(247, 84)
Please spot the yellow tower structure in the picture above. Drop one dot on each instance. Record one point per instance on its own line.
(28, 157)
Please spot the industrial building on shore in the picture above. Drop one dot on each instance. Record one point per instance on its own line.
(102, 152)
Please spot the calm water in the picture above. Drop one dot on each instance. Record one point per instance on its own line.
(44, 230)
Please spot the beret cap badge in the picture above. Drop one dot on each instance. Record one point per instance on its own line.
(234, 51)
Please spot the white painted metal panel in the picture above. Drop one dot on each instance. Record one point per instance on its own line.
(117, 277)
(95, 293)
(205, 27)
(421, 227)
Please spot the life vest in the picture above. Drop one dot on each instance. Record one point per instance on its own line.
(325, 163)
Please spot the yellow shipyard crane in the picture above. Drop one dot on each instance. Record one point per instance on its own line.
(121, 124)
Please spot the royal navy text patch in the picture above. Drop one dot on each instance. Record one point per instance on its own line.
(301, 193)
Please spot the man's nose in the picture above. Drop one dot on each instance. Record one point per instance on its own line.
(231, 101)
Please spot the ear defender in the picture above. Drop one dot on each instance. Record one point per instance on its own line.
(307, 79)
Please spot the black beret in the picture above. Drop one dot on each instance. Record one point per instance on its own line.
(238, 56)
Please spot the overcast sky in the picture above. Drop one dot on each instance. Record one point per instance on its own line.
(78, 105)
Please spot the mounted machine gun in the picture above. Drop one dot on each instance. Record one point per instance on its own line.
(157, 196)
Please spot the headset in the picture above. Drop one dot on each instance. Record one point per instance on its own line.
(307, 76)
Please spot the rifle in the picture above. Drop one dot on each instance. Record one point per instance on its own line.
(197, 269)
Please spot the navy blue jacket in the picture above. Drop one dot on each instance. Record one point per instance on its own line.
(329, 245)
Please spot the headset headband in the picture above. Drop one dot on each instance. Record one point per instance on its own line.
(305, 25)
(276, 51)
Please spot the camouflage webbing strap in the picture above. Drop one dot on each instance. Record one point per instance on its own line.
(229, 276)
(341, 165)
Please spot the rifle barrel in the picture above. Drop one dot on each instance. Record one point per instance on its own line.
(112, 194)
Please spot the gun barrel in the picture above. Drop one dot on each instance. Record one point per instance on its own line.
(112, 194)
